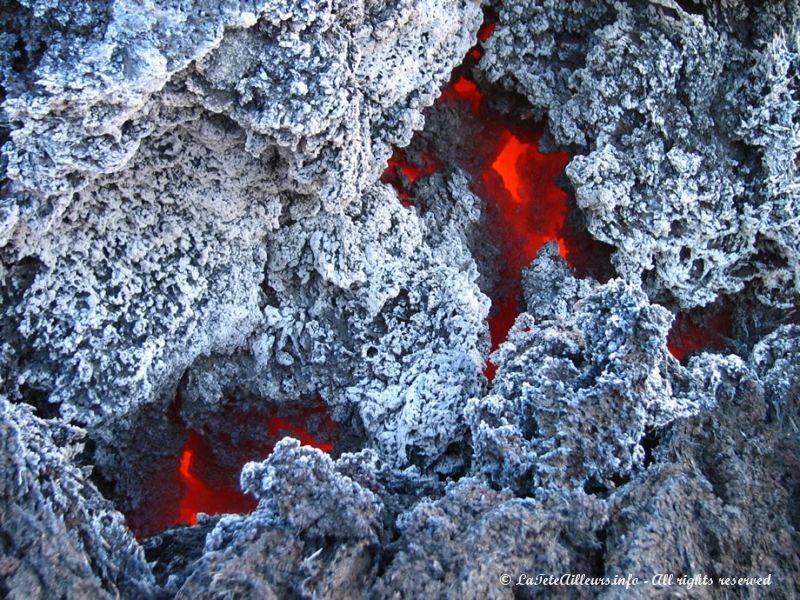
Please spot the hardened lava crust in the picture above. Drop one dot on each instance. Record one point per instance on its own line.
(191, 200)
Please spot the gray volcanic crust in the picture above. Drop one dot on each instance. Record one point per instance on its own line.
(190, 200)
(685, 118)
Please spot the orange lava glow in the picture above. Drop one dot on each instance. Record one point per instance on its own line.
(688, 337)
(524, 207)
(278, 426)
(202, 481)
(200, 495)
(400, 173)
(533, 208)
(462, 89)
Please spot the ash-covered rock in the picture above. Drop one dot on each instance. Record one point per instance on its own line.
(720, 498)
(299, 76)
(685, 124)
(59, 538)
(190, 201)
(379, 311)
(579, 383)
(700, 498)
(173, 550)
(319, 526)
(150, 152)
(775, 361)
(150, 156)
(302, 487)
(714, 497)
(460, 545)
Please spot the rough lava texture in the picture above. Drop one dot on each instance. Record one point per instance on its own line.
(576, 392)
(686, 123)
(60, 537)
(317, 529)
(721, 495)
(144, 190)
(713, 493)
(190, 201)
(143, 178)
(351, 297)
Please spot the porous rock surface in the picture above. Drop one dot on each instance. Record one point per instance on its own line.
(189, 200)
(60, 537)
(685, 118)
(580, 382)
(150, 157)
(711, 494)
(353, 295)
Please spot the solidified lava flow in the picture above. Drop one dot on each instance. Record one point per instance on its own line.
(205, 479)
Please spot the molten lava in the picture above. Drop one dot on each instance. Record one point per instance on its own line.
(463, 90)
(206, 476)
(524, 207)
(401, 173)
(691, 334)
(204, 496)
(532, 208)
(489, 22)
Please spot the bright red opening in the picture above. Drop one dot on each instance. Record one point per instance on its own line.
(525, 210)
(400, 173)
(524, 206)
(699, 331)
(204, 477)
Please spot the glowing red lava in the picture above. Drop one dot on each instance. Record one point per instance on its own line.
(206, 476)
(487, 29)
(463, 90)
(533, 209)
(689, 335)
(524, 207)
(527, 209)
(400, 173)
(209, 497)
